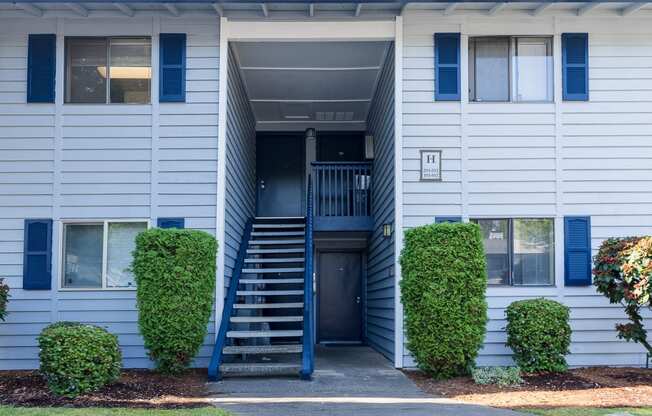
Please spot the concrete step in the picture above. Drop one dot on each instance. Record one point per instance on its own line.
(263, 334)
(263, 349)
(278, 233)
(258, 319)
(267, 369)
(287, 305)
(277, 226)
(269, 281)
(275, 270)
(275, 250)
(284, 260)
(269, 292)
(276, 242)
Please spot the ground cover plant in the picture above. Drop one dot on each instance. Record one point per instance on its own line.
(500, 376)
(4, 299)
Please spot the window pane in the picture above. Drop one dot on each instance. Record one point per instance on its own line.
(83, 255)
(86, 70)
(121, 243)
(131, 70)
(491, 69)
(495, 236)
(533, 69)
(533, 252)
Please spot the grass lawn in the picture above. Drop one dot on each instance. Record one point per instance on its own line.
(586, 411)
(53, 411)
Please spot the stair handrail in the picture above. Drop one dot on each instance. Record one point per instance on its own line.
(308, 353)
(225, 323)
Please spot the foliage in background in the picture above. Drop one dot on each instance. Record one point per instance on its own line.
(623, 273)
(77, 358)
(539, 334)
(443, 293)
(175, 278)
(501, 376)
(4, 299)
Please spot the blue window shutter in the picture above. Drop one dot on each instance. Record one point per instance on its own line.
(41, 68)
(447, 66)
(439, 220)
(575, 66)
(170, 223)
(577, 251)
(37, 255)
(172, 67)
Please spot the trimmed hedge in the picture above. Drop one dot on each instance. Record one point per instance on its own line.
(175, 277)
(4, 299)
(443, 293)
(77, 358)
(623, 273)
(539, 334)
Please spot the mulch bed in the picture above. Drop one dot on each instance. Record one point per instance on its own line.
(135, 388)
(589, 387)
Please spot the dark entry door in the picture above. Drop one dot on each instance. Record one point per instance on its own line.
(340, 297)
(280, 169)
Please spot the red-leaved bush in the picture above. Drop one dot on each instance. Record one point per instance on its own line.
(623, 273)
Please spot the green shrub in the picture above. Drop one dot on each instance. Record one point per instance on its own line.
(623, 273)
(77, 358)
(175, 277)
(501, 376)
(4, 299)
(539, 334)
(443, 293)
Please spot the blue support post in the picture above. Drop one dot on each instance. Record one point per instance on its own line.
(308, 355)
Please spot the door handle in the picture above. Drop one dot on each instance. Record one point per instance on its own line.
(357, 300)
(262, 184)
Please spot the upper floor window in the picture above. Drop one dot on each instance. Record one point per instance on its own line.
(519, 251)
(517, 68)
(108, 70)
(97, 255)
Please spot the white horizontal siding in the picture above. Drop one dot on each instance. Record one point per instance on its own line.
(539, 160)
(114, 161)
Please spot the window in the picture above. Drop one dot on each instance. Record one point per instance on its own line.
(108, 70)
(519, 252)
(97, 255)
(506, 68)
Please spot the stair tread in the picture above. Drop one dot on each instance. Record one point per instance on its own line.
(275, 270)
(284, 305)
(281, 225)
(269, 281)
(276, 242)
(259, 368)
(263, 349)
(274, 250)
(264, 334)
(280, 218)
(279, 260)
(278, 233)
(269, 292)
(251, 319)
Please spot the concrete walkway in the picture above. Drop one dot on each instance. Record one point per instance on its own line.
(347, 381)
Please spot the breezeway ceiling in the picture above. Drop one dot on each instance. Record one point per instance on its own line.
(295, 85)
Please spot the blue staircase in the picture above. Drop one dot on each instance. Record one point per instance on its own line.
(267, 321)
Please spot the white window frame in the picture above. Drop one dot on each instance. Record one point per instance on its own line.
(108, 39)
(512, 69)
(105, 238)
(510, 251)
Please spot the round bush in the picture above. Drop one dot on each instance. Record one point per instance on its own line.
(175, 277)
(4, 298)
(77, 358)
(539, 334)
(443, 293)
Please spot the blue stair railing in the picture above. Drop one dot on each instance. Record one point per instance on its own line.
(308, 354)
(220, 340)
